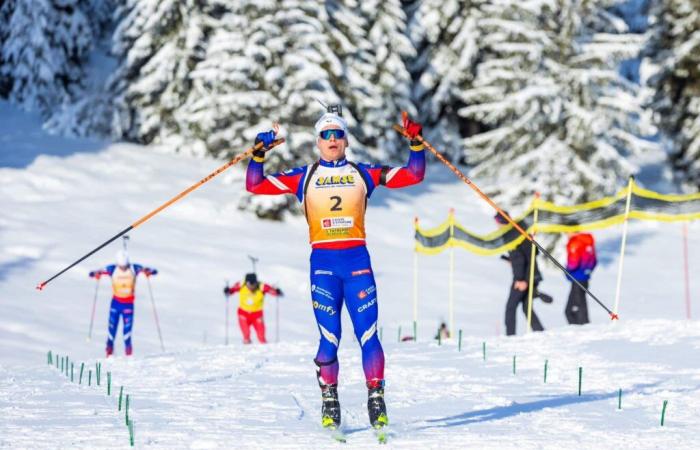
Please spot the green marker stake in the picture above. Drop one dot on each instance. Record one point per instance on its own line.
(121, 391)
(439, 338)
(98, 369)
(545, 370)
(513, 364)
(62, 363)
(57, 361)
(71, 372)
(415, 331)
(399, 337)
(663, 412)
(580, 376)
(82, 367)
(67, 360)
(131, 432)
(619, 399)
(483, 349)
(126, 409)
(48, 358)
(459, 346)
(109, 383)
(90, 377)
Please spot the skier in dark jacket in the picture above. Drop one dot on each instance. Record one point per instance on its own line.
(520, 262)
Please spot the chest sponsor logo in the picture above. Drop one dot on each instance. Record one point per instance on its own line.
(366, 292)
(335, 180)
(325, 308)
(367, 305)
(337, 222)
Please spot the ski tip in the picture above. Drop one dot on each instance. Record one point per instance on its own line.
(40, 286)
(614, 317)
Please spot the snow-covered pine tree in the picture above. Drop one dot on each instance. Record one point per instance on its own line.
(43, 47)
(263, 63)
(560, 118)
(369, 40)
(675, 46)
(446, 38)
(158, 44)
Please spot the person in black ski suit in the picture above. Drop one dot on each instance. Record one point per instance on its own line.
(520, 262)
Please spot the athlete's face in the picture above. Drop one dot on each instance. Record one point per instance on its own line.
(332, 149)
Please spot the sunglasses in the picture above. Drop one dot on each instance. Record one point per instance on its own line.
(326, 134)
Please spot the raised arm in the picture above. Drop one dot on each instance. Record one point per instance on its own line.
(397, 177)
(256, 182)
(414, 170)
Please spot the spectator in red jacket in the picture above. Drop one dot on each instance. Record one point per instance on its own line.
(581, 260)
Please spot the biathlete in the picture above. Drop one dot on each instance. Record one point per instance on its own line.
(251, 294)
(123, 275)
(334, 193)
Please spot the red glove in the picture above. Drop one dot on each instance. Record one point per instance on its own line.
(412, 128)
(95, 274)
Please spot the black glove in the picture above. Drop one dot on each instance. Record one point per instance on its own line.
(226, 291)
(279, 292)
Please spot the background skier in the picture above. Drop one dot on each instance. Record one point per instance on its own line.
(251, 294)
(123, 275)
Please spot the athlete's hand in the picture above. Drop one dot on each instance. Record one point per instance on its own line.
(95, 275)
(267, 137)
(279, 292)
(226, 291)
(149, 272)
(412, 128)
(520, 285)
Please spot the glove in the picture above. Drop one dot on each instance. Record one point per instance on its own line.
(95, 274)
(279, 292)
(149, 272)
(226, 291)
(266, 137)
(412, 128)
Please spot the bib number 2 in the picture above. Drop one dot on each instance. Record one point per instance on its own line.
(336, 205)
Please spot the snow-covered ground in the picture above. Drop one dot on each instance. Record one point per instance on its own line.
(62, 197)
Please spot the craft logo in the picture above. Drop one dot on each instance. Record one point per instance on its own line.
(365, 292)
(325, 308)
(337, 222)
(336, 180)
(361, 272)
(367, 305)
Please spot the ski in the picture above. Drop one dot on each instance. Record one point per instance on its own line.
(381, 434)
(336, 434)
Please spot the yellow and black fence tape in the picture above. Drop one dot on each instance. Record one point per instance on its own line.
(552, 218)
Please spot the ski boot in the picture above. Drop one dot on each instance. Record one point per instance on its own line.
(376, 406)
(330, 409)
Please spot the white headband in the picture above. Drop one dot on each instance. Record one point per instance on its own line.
(330, 119)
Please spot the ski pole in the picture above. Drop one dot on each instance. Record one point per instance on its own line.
(92, 316)
(227, 308)
(155, 313)
(148, 216)
(277, 319)
(503, 214)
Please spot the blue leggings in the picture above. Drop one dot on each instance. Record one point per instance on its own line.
(126, 311)
(339, 276)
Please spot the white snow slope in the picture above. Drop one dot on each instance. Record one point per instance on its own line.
(59, 198)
